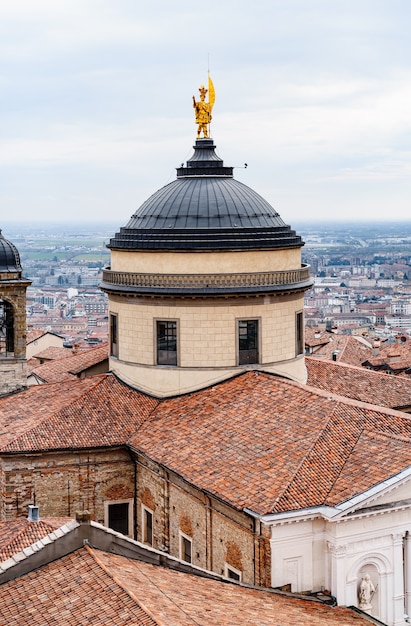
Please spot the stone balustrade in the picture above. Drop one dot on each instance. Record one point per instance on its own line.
(293, 278)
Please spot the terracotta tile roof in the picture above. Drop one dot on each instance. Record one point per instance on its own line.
(358, 449)
(71, 590)
(179, 599)
(52, 353)
(355, 351)
(34, 334)
(402, 364)
(98, 411)
(22, 412)
(359, 383)
(72, 364)
(315, 337)
(260, 442)
(393, 355)
(255, 441)
(350, 349)
(17, 534)
(91, 586)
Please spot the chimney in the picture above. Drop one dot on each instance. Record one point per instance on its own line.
(33, 513)
(83, 517)
(376, 347)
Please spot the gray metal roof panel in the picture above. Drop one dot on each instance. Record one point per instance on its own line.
(9, 256)
(192, 212)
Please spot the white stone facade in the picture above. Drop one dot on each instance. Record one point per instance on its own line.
(313, 553)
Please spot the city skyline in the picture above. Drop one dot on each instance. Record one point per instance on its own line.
(314, 97)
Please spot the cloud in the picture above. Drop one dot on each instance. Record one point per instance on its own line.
(96, 97)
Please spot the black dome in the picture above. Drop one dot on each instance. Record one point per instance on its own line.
(9, 256)
(205, 209)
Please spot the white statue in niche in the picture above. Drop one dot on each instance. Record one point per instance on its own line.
(366, 593)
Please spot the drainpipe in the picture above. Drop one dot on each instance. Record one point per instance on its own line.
(135, 500)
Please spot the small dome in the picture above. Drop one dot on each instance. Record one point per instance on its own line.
(205, 208)
(9, 256)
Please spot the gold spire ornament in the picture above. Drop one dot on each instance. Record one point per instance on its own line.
(204, 109)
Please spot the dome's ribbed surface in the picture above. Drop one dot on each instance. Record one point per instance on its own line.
(9, 256)
(205, 209)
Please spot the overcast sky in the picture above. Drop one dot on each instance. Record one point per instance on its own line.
(96, 112)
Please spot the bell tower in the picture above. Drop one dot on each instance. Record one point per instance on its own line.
(13, 287)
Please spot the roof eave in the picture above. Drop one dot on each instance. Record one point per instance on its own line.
(337, 512)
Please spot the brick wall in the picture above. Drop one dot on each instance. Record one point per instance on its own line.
(62, 483)
(219, 533)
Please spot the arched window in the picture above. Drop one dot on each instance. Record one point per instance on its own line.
(6, 328)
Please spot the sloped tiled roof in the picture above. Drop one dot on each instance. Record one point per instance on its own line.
(260, 442)
(98, 411)
(179, 599)
(90, 586)
(36, 333)
(71, 590)
(24, 411)
(17, 534)
(396, 356)
(348, 348)
(67, 367)
(256, 441)
(359, 383)
(53, 352)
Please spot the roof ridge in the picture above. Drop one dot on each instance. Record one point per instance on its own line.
(362, 404)
(315, 444)
(348, 454)
(146, 419)
(290, 482)
(91, 551)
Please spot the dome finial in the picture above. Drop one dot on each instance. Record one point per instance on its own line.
(204, 109)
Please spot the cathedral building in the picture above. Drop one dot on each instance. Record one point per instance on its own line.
(204, 441)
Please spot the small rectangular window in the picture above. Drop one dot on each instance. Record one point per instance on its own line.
(118, 516)
(248, 342)
(232, 573)
(147, 526)
(166, 343)
(299, 333)
(113, 335)
(185, 548)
